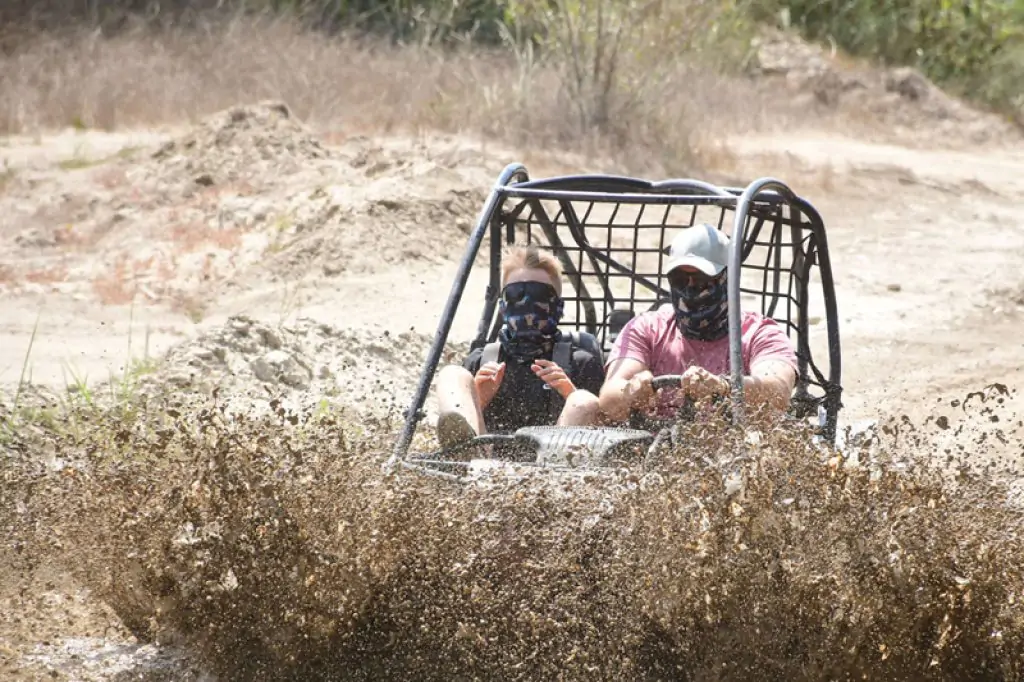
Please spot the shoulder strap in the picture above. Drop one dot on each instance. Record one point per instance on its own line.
(490, 353)
(561, 355)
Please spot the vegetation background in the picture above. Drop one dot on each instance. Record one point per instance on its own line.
(609, 52)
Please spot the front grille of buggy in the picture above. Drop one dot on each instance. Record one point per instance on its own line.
(584, 446)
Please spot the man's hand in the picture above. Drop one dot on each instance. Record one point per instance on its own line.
(639, 392)
(553, 375)
(488, 380)
(700, 384)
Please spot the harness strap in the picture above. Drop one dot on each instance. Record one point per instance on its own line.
(490, 352)
(561, 355)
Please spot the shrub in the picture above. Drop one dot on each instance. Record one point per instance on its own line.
(975, 47)
(611, 54)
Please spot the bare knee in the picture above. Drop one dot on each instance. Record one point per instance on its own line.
(456, 392)
(580, 399)
(454, 375)
(581, 408)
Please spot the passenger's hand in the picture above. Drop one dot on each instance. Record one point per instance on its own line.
(553, 375)
(488, 380)
(639, 391)
(700, 384)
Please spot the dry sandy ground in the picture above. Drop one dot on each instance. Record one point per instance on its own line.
(116, 256)
(127, 244)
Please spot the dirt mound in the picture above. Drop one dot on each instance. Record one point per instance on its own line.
(245, 199)
(901, 98)
(240, 143)
(281, 551)
(250, 364)
(333, 233)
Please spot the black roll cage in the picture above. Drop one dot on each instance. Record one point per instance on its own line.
(516, 204)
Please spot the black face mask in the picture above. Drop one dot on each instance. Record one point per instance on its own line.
(702, 306)
(531, 311)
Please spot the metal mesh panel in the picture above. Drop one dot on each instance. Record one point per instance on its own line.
(611, 233)
(613, 253)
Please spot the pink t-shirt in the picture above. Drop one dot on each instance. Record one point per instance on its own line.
(654, 339)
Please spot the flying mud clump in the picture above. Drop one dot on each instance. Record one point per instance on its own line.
(978, 435)
(273, 546)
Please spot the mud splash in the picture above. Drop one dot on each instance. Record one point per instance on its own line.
(274, 548)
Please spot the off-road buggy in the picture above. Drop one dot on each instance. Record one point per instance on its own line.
(611, 234)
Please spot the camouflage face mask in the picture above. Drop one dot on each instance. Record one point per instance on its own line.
(702, 306)
(531, 311)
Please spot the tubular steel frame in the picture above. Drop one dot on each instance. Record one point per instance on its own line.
(764, 203)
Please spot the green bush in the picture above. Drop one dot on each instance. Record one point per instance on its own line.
(976, 47)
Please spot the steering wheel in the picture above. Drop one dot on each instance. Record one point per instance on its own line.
(686, 409)
(666, 381)
(686, 413)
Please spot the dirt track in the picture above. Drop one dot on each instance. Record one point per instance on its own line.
(925, 250)
(926, 247)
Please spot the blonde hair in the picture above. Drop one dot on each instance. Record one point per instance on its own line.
(530, 257)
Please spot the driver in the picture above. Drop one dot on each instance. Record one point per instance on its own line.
(516, 381)
(690, 337)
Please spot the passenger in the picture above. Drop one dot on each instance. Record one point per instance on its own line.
(690, 337)
(534, 374)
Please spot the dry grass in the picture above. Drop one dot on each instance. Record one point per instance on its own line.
(111, 178)
(355, 86)
(47, 275)
(6, 176)
(119, 284)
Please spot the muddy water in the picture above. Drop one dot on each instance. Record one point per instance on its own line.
(275, 548)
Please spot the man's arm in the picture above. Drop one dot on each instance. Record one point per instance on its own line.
(766, 390)
(772, 369)
(627, 379)
(770, 384)
(624, 385)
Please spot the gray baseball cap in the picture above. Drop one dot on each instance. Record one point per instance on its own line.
(703, 246)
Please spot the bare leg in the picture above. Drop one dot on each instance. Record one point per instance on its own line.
(581, 409)
(456, 395)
